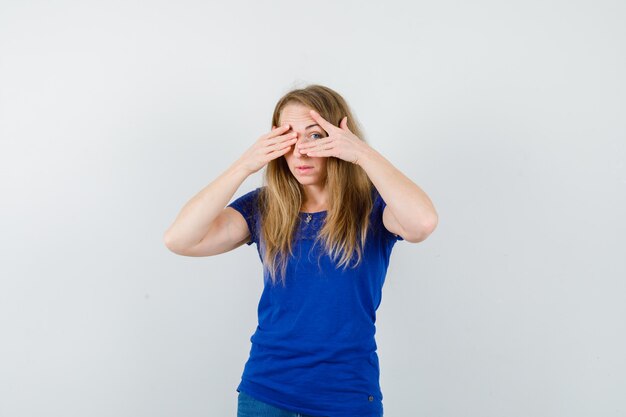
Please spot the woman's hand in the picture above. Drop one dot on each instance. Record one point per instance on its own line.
(269, 146)
(340, 142)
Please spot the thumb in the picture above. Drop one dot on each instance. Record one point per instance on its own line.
(344, 123)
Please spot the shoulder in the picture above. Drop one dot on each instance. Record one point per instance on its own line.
(378, 202)
(248, 202)
(253, 194)
(378, 216)
(248, 206)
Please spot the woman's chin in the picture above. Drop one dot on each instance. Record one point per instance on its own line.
(308, 180)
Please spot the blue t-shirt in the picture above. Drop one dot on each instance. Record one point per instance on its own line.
(314, 351)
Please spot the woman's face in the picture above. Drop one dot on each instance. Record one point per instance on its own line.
(307, 129)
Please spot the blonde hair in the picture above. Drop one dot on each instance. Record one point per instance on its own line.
(349, 193)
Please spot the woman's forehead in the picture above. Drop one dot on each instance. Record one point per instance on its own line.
(299, 124)
(296, 115)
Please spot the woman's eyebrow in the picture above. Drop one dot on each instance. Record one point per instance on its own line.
(309, 127)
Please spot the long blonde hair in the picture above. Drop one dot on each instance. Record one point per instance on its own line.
(349, 193)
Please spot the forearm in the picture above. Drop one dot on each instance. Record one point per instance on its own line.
(194, 219)
(407, 201)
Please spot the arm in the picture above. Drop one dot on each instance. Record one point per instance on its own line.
(205, 226)
(197, 215)
(409, 212)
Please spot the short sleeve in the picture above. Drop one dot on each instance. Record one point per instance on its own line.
(378, 208)
(248, 206)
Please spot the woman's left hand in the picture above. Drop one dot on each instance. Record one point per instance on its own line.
(340, 142)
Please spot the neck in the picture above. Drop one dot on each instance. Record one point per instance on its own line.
(315, 198)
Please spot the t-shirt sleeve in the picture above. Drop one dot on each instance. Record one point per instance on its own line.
(379, 206)
(248, 206)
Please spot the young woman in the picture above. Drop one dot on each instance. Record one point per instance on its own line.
(324, 222)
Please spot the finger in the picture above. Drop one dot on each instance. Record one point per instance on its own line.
(320, 147)
(280, 130)
(326, 153)
(326, 125)
(282, 138)
(344, 123)
(315, 143)
(274, 146)
(278, 152)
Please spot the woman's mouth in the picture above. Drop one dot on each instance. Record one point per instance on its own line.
(304, 168)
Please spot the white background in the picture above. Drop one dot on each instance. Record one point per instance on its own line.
(510, 115)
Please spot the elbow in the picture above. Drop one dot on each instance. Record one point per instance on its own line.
(422, 233)
(172, 247)
(429, 227)
(169, 242)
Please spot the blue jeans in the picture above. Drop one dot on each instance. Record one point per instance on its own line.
(248, 406)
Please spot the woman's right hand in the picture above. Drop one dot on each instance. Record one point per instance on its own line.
(269, 146)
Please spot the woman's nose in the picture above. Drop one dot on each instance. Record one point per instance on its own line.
(296, 149)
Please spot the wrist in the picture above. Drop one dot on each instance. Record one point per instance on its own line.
(239, 170)
(365, 154)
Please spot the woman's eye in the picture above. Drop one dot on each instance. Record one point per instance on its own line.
(313, 134)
